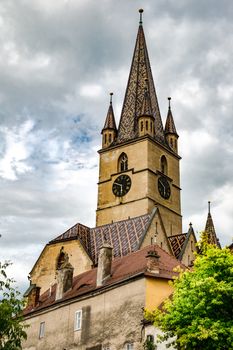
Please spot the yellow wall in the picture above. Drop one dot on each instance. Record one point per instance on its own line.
(156, 229)
(44, 271)
(157, 290)
(144, 168)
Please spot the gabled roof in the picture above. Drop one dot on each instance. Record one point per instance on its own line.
(139, 78)
(124, 236)
(177, 243)
(123, 269)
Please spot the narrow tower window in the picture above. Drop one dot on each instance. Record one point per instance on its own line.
(171, 142)
(164, 165)
(123, 162)
(141, 126)
(105, 138)
(146, 125)
(109, 138)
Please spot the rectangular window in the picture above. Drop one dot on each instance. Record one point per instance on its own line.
(78, 320)
(129, 346)
(42, 330)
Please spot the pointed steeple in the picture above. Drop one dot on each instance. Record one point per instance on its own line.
(170, 129)
(210, 230)
(109, 130)
(170, 125)
(134, 96)
(110, 122)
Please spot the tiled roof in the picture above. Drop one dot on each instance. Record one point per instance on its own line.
(122, 268)
(177, 243)
(124, 236)
(140, 77)
(170, 125)
(146, 109)
(110, 119)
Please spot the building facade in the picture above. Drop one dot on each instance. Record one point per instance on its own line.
(90, 286)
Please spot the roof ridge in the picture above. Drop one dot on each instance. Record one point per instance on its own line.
(180, 234)
(115, 222)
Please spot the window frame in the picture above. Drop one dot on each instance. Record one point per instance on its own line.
(164, 165)
(123, 162)
(42, 330)
(129, 346)
(76, 322)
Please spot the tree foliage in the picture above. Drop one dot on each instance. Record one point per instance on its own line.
(199, 313)
(11, 328)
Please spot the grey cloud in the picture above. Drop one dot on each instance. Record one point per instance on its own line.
(65, 47)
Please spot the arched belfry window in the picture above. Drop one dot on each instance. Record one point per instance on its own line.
(164, 165)
(123, 162)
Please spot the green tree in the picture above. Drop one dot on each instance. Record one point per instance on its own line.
(11, 327)
(199, 313)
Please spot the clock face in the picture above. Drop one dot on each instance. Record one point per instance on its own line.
(121, 185)
(164, 187)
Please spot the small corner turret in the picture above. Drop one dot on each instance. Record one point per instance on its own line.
(145, 119)
(210, 230)
(170, 129)
(109, 131)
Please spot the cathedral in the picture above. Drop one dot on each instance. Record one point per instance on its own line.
(89, 286)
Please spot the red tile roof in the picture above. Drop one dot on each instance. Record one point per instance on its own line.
(122, 269)
(124, 236)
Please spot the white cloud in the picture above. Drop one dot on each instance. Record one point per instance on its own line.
(91, 91)
(14, 160)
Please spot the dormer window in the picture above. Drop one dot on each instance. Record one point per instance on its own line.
(123, 162)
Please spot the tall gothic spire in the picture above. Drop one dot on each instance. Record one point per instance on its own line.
(210, 230)
(140, 75)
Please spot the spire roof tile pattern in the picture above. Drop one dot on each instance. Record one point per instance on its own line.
(110, 122)
(146, 105)
(139, 73)
(170, 125)
(210, 230)
(125, 236)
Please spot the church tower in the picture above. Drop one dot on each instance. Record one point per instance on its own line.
(139, 166)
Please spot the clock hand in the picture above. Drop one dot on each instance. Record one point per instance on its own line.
(118, 184)
(162, 184)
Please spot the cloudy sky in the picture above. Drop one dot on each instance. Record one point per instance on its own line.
(58, 62)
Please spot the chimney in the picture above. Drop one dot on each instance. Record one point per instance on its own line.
(64, 277)
(153, 261)
(104, 264)
(33, 295)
